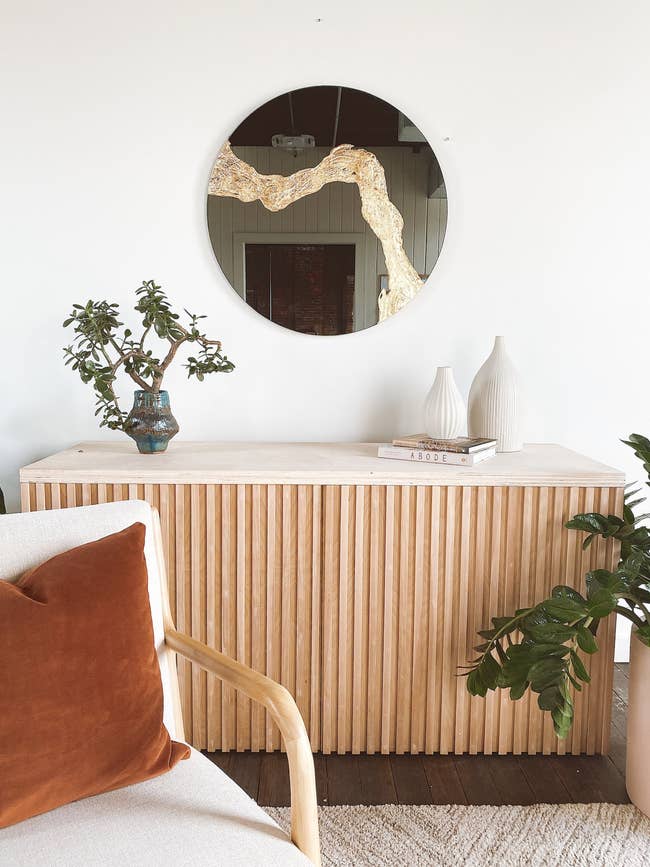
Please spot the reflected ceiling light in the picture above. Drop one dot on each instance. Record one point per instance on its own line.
(294, 142)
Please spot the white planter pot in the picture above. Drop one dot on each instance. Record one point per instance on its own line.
(494, 406)
(444, 409)
(637, 765)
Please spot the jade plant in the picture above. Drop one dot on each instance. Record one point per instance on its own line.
(102, 346)
(539, 648)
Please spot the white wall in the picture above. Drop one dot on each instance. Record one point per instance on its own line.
(113, 112)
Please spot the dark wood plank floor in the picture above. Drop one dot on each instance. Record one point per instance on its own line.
(436, 779)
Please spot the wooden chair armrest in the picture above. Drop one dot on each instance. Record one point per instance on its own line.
(284, 711)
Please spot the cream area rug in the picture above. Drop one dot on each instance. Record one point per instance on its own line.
(571, 835)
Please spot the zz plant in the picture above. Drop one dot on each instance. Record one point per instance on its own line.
(539, 648)
(100, 348)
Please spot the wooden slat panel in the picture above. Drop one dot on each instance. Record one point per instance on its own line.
(363, 600)
(405, 620)
(508, 600)
(344, 648)
(243, 606)
(289, 578)
(391, 595)
(331, 553)
(316, 620)
(435, 638)
(450, 602)
(183, 591)
(572, 560)
(539, 578)
(213, 606)
(40, 492)
(478, 611)
(524, 570)
(361, 588)
(55, 495)
(228, 608)
(422, 582)
(494, 606)
(579, 560)
(375, 617)
(258, 606)
(273, 599)
(304, 560)
(466, 530)
(197, 568)
(168, 537)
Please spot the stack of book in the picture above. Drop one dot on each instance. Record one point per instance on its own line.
(462, 451)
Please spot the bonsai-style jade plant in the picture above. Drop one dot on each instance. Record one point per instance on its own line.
(102, 347)
(538, 648)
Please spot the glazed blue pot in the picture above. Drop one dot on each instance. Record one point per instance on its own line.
(151, 423)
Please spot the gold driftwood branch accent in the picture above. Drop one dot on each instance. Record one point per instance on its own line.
(231, 177)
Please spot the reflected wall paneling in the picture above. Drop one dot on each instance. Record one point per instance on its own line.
(363, 600)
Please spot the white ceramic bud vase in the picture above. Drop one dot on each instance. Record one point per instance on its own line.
(494, 406)
(444, 409)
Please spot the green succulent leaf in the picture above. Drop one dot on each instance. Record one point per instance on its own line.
(601, 603)
(546, 673)
(586, 640)
(565, 608)
(490, 670)
(475, 684)
(578, 668)
(563, 591)
(517, 690)
(550, 632)
(550, 698)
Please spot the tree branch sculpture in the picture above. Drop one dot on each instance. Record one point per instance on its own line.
(233, 178)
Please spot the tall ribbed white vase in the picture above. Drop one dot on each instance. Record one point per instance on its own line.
(494, 405)
(444, 409)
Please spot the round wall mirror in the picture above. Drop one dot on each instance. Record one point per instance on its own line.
(327, 210)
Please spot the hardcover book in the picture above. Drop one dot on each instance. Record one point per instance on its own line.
(462, 445)
(428, 456)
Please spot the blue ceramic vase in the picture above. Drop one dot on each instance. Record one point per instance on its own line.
(151, 423)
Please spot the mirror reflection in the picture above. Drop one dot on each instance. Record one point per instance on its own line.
(327, 210)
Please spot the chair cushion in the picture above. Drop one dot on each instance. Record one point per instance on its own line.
(81, 704)
(194, 816)
(29, 539)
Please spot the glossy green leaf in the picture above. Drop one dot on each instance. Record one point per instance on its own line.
(475, 684)
(586, 640)
(550, 632)
(565, 608)
(580, 671)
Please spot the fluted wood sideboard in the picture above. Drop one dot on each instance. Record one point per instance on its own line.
(358, 583)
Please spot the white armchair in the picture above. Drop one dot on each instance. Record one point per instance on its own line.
(194, 815)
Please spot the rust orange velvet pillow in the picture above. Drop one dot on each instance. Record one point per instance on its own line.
(81, 702)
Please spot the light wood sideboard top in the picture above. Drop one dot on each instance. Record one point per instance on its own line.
(538, 465)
